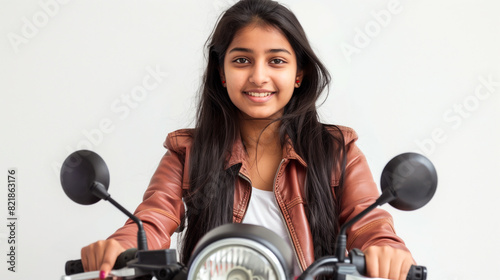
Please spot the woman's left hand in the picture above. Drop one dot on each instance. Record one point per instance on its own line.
(387, 262)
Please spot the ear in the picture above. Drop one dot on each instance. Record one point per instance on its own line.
(299, 77)
(222, 77)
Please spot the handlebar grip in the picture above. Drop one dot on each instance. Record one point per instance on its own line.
(76, 266)
(417, 272)
(357, 258)
(73, 267)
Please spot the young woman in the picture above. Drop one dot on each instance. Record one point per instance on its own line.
(259, 154)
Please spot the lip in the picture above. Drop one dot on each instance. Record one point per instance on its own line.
(259, 90)
(258, 99)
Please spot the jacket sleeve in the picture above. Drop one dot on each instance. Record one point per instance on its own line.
(359, 192)
(162, 207)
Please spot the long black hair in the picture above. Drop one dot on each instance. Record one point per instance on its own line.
(210, 197)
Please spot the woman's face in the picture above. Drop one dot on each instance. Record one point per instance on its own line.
(260, 72)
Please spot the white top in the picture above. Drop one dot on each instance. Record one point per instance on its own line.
(263, 210)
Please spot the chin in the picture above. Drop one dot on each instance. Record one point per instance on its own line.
(261, 116)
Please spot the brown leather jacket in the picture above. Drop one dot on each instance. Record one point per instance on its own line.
(162, 208)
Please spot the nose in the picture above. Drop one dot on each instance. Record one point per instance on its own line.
(259, 75)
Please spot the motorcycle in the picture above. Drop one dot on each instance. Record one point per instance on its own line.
(242, 251)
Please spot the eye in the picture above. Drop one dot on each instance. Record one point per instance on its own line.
(277, 61)
(241, 60)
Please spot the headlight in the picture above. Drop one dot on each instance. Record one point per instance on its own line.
(241, 252)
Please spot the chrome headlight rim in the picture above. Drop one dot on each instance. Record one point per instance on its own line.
(237, 242)
(258, 238)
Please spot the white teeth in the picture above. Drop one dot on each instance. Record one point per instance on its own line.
(258, 94)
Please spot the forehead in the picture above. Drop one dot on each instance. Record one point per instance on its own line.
(258, 36)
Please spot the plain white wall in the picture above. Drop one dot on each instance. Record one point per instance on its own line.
(418, 76)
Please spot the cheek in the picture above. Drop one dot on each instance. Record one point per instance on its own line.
(234, 86)
(236, 80)
(286, 79)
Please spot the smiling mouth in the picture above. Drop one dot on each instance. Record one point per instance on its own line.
(259, 94)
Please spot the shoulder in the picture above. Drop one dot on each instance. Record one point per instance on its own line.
(179, 141)
(354, 158)
(348, 134)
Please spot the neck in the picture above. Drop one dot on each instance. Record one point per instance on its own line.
(260, 134)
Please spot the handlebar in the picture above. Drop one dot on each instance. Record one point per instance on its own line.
(76, 266)
(136, 264)
(357, 258)
(355, 265)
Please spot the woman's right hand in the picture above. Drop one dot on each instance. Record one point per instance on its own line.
(101, 256)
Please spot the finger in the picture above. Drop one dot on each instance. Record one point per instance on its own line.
(87, 258)
(92, 255)
(405, 268)
(111, 252)
(384, 266)
(395, 268)
(104, 269)
(371, 261)
(99, 252)
(83, 255)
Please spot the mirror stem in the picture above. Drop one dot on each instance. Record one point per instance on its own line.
(100, 191)
(341, 242)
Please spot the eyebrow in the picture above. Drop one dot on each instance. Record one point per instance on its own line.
(251, 51)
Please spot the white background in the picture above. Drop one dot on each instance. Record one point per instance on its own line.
(66, 67)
